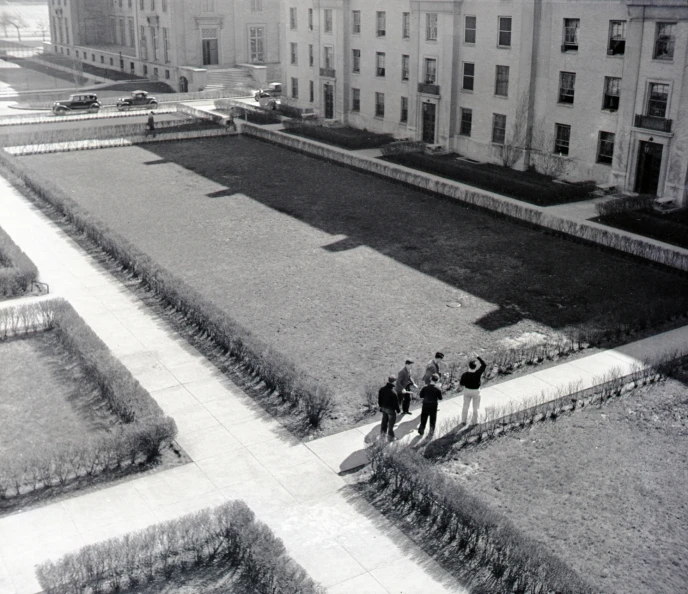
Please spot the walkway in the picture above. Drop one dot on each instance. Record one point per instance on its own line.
(238, 451)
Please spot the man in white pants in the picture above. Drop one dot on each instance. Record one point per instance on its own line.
(470, 381)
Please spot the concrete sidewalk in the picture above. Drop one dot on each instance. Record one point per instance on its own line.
(238, 451)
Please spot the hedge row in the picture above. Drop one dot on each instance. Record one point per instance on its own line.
(516, 562)
(624, 204)
(17, 271)
(348, 138)
(145, 430)
(278, 373)
(228, 534)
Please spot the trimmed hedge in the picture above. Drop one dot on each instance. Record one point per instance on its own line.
(145, 430)
(517, 563)
(17, 271)
(228, 534)
(344, 137)
(625, 204)
(260, 359)
(522, 185)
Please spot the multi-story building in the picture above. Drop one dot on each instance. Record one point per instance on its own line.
(579, 89)
(176, 41)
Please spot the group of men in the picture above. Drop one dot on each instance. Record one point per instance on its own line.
(395, 397)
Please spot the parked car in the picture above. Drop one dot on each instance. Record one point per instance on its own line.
(273, 90)
(82, 102)
(137, 99)
(267, 101)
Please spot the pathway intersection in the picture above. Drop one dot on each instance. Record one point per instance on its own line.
(238, 450)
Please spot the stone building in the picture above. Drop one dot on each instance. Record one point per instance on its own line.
(579, 89)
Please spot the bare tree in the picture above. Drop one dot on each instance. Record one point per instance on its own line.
(546, 160)
(14, 19)
(514, 145)
(43, 27)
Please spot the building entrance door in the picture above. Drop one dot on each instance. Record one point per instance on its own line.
(210, 54)
(429, 110)
(328, 92)
(649, 164)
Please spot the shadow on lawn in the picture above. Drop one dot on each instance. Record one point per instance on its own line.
(525, 272)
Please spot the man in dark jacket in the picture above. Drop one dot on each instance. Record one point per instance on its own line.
(403, 384)
(434, 366)
(431, 396)
(470, 381)
(388, 401)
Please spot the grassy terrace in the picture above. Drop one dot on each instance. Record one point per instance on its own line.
(671, 228)
(344, 272)
(603, 488)
(45, 404)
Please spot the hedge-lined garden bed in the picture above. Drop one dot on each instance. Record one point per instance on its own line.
(227, 537)
(17, 271)
(670, 228)
(139, 439)
(341, 136)
(528, 186)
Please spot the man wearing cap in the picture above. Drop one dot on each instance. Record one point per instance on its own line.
(434, 366)
(403, 385)
(431, 395)
(388, 401)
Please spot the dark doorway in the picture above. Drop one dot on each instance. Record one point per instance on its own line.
(210, 55)
(649, 164)
(429, 123)
(183, 84)
(328, 91)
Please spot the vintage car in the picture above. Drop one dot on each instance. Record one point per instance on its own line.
(267, 101)
(272, 90)
(137, 99)
(79, 102)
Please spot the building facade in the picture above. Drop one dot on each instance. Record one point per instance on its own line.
(578, 89)
(175, 41)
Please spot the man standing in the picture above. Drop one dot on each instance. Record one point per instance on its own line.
(388, 401)
(431, 395)
(404, 382)
(151, 125)
(470, 381)
(434, 366)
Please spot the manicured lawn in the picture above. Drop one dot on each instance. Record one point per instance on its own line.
(344, 137)
(44, 403)
(346, 273)
(604, 488)
(671, 228)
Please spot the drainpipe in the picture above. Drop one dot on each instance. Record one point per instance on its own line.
(535, 47)
(629, 149)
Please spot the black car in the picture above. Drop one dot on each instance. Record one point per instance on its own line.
(75, 103)
(137, 99)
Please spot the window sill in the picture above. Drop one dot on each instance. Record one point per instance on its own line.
(404, 80)
(615, 56)
(609, 164)
(467, 91)
(608, 110)
(377, 117)
(503, 47)
(469, 43)
(500, 96)
(357, 72)
(562, 104)
(663, 60)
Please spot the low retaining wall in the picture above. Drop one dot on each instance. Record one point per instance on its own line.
(24, 119)
(635, 245)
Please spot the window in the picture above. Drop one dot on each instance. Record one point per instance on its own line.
(164, 5)
(502, 81)
(329, 56)
(664, 41)
(310, 54)
(294, 88)
(311, 91)
(617, 38)
(381, 23)
(152, 4)
(605, 147)
(292, 17)
(567, 86)
(132, 32)
(165, 45)
(498, 128)
(154, 43)
(379, 105)
(145, 70)
(657, 100)
(155, 72)
(504, 32)
(355, 99)
(144, 43)
(466, 121)
(356, 60)
(208, 5)
(406, 25)
(356, 22)
(167, 74)
(328, 20)
(612, 91)
(571, 28)
(294, 53)
(102, 59)
(112, 62)
(431, 26)
(403, 117)
(562, 138)
(93, 57)
(141, 6)
(468, 76)
(430, 71)
(404, 67)
(256, 5)
(380, 63)
(310, 19)
(469, 29)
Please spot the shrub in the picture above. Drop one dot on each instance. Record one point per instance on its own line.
(625, 204)
(17, 271)
(402, 147)
(293, 111)
(229, 533)
(345, 137)
(317, 405)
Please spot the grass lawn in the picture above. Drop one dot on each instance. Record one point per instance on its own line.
(44, 403)
(604, 488)
(347, 273)
(341, 136)
(671, 228)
